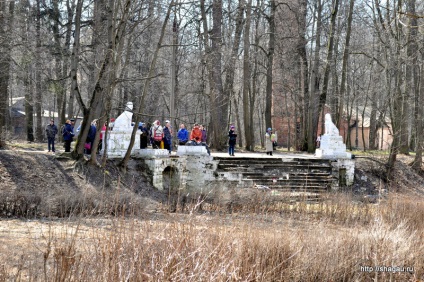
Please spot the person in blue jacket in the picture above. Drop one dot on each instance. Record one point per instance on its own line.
(68, 135)
(182, 135)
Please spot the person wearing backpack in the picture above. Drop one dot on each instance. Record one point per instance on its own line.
(68, 135)
(157, 134)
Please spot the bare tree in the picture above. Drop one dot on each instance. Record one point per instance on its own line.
(124, 163)
(39, 132)
(314, 83)
(218, 101)
(247, 91)
(270, 64)
(6, 28)
(345, 64)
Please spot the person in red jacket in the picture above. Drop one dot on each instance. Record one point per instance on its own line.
(196, 133)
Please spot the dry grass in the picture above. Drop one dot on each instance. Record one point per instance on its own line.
(322, 242)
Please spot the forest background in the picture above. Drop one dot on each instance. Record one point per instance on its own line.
(252, 63)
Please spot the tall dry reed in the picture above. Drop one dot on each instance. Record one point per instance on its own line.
(340, 240)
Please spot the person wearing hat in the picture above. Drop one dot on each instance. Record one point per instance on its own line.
(72, 124)
(51, 131)
(269, 142)
(157, 134)
(232, 138)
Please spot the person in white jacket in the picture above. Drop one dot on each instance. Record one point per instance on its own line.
(157, 134)
(270, 138)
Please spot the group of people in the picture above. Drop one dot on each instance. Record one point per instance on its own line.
(68, 132)
(160, 137)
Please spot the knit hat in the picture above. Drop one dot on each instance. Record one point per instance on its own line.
(269, 129)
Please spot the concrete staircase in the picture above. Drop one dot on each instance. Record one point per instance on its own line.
(297, 178)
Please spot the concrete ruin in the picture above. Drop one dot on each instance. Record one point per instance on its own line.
(194, 171)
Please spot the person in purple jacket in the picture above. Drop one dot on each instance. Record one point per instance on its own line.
(204, 135)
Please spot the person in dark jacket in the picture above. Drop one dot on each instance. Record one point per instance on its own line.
(167, 136)
(68, 135)
(90, 137)
(51, 131)
(182, 135)
(232, 138)
(144, 136)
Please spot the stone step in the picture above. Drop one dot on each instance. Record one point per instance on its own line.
(290, 190)
(294, 187)
(288, 182)
(323, 177)
(273, 161)
(292, 197)
(305, 178)
(279, 170)
(272, 166)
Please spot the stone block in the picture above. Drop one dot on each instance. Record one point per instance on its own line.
(152, 153)
(332, 147)
(118, 143)
(191, 150)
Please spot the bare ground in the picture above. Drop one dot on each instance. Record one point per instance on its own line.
(40, 193)
(36, 183)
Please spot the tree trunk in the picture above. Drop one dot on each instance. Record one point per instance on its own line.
(29, 107)
(345, 64)
(6, 25)
(75, 60)
(218, 101)
(414, 82)
(39, 132)
(410, 77)
(304, 78)
(246, 79)
(330, 48)
(270, 65)
(315, 81)
(231, 67)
